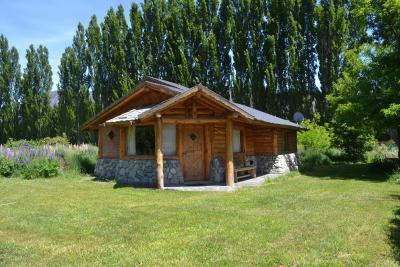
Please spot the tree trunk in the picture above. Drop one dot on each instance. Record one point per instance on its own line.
(398, 141)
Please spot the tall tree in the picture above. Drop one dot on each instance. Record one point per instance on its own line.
(9, 86)
(96, 72)
(116, 78)
(66, 98)
(135, 59)
(332, 36)
(224, 33)
(35, 99)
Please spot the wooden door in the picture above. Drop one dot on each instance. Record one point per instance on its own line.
(193, 152)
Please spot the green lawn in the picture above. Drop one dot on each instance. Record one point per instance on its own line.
(348, 218)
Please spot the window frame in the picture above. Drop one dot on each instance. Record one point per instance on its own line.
(176, 140)
(241, 140)
(126, 156)
(140, 156)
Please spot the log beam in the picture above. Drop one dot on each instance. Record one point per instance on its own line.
(159, 153)
(229, 169)
(192, 121)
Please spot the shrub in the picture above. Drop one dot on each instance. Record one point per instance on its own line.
(7, 167)
(311, 159)
(79, 158)
(47, 141)
(40, 168)
(395, 177)
(378, 154)
(354, 140)
(387, 166)
(316, 137)
(87, 162)
(336, 154)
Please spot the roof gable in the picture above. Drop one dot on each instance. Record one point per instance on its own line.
(128, 102)
(190, 93)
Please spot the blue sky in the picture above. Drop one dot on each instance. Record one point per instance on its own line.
(49, 22)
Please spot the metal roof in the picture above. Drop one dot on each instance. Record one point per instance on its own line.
(172, 86)
(255, 114)
(131, 115)
(265, 117)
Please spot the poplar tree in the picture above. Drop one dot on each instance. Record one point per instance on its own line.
(9, 86)
(116, 78)
(96, 72)
(135, 59)
(66, 95)
(35, 100)
(224, 33)
(332, 36)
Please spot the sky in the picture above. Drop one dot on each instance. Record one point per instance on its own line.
(49, 22)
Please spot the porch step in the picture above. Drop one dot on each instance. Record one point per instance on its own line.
(192, 183)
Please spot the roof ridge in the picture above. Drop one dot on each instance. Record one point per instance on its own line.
(165, 82)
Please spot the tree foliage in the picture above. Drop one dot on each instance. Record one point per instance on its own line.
(336, 58)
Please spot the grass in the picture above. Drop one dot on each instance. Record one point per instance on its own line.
(339, 215)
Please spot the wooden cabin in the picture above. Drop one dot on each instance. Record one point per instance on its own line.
(163, 133)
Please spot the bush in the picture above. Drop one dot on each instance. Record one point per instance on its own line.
(7, 167)
(311, 159)
(87, 162)
(395, 177)
(387, 166)
(80, 160)
(47, 141)
(354, 140)
(40, 168)
(336, 154)
(378, 154)
(316, 137)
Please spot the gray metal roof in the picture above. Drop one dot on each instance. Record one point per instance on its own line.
(172, 86)
(134, 114)
(131, 115)
(265, 117)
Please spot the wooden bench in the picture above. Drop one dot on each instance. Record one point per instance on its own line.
(250, 172)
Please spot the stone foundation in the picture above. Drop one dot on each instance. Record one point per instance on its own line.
(138, 172)
(217, 170)
(277, 163)
(143, 172)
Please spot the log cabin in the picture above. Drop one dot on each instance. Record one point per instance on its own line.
(164, 134)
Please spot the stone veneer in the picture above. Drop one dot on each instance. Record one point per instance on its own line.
(138, 172)
(143, 172)
(277, 163)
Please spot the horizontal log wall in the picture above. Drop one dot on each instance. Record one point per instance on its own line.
(263, 140)
(110, 146)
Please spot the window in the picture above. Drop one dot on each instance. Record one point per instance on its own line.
(140, 140)
(236, 141)
(169, 139)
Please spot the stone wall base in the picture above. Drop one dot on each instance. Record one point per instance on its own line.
(277, 163)
(138, 172)
(143, 172)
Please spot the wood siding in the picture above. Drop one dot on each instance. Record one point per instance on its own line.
(110, 146)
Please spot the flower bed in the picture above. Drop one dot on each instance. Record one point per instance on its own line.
(32, 162)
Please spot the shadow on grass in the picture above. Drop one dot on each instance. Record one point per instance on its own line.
(119, 185)
(394, 234)
(356, 171)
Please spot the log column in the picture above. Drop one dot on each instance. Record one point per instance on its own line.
(159, 153)
(229, 171)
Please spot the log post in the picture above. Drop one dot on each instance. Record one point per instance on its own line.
(229, 169)
(159, 153)
(275, 142)
(100, 134)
